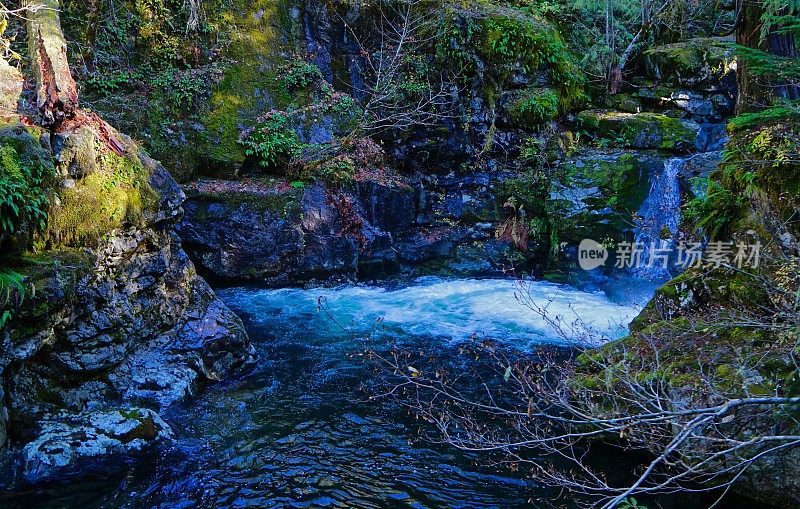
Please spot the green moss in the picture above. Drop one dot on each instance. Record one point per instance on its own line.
(117, 194)
(484, 37)
(624, 102)
(255, 54)
(285, 205)
(692, 59)
(638, 130)
(26, 182)
(759, 167)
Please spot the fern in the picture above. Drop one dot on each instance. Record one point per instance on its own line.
(780, 15)
(12, 293)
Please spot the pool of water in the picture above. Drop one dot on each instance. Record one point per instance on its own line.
(296, 430)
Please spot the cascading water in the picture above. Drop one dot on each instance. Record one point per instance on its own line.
(298, 430)
(659, 218)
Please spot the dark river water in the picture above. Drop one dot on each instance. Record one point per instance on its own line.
(296, 431)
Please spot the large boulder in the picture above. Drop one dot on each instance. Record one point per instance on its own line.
(641, 130)
(273, 232)
(67, 439)
(595, 192)
(707, 63)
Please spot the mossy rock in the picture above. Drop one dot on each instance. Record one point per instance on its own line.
(110, 191)
(284, 204)
(532, 107)
(50, 280)
(640, 130)
(251, 84)
(702, 61)
(593, 193)
(627, 103)
(10, 86)
(27, 178)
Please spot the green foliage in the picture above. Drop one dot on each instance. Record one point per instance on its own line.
(780, 16)
(181, 87)
(337, 170)
(761, 63)
(631, 503)
(714, 210)
(106, 84)
(760, 161)
(300, 74)
(531, 150)
(506, 41)
(272, 141)
(24, 191)
(523, 205)
(143, 67)
(12, 293)
(534, 107)
(785, 110)
(341, 162)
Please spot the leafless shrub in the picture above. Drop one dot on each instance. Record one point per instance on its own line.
(690, 393)
(402, 88)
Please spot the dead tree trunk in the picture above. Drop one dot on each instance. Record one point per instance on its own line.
(56, 91)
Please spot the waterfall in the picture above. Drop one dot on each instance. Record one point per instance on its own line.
(659, 214)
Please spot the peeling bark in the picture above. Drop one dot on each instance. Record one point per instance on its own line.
(56, 91)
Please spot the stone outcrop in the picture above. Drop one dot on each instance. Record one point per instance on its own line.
(109, 334)
(706, 63)
(270, 232)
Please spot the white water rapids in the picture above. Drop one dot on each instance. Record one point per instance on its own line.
(449, 309)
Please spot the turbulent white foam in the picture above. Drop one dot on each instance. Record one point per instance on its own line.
(449, 309)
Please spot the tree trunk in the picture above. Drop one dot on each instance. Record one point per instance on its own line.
(56, 91)
(783, 45)
(758, 92)
(618, 71)
(748, 34)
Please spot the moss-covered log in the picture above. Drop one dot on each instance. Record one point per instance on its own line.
(56, 91)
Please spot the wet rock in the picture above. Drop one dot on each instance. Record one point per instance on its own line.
(594, 192)
(326, 250)
(127, 322)
(429, 244)
(701, 106)
(294, 235)
(68, 439)
(246, 236)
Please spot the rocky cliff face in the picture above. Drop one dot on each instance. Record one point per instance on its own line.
(109, 334)
(496, 187)
(266, 231)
